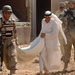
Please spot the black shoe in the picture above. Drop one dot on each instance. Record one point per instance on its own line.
(64, 70)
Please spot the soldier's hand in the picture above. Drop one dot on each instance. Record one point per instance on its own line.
(17, 43)
(3, 29)
(65, 43)
(42, 35)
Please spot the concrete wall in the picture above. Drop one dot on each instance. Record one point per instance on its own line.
(33, 19)
(54, 5)
(23, 32)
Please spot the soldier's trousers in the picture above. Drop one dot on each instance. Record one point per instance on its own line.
(68, 47)
(10, 54)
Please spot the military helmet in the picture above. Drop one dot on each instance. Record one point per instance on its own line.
(7, 8)
(66, 2)
(62, 4)
(71, 1)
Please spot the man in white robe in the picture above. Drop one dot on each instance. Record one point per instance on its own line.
(50, 56)
(59, 13)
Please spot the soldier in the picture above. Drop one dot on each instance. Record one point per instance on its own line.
(60, 10)
(8, 29)
(69, 20)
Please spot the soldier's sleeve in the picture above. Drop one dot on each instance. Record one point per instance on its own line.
(0, 23)
(15, 33)
(64, 19)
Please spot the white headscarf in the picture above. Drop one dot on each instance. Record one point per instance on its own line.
(59, 22)
(56, 18)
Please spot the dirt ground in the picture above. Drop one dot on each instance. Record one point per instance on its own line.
(32, 67)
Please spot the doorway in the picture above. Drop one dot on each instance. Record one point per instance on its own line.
(41, 7)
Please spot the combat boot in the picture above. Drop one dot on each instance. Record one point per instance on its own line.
(12, 72)
(46, 74)
(65, 67)
(40, 73)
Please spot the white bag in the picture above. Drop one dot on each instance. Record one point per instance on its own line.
(26, 54)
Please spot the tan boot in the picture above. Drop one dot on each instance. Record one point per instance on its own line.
(46, 74)
(40, 73)
(65, 67)
(12, 72)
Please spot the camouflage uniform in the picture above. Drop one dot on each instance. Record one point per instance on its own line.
(10, 49)
(70, 35)
(9, 39)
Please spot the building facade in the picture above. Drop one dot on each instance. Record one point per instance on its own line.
(38, 7)
(32, 10)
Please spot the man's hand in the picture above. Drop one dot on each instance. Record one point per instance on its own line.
(17, 43)
(42, 35)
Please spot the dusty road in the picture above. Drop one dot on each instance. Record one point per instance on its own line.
(32, 67)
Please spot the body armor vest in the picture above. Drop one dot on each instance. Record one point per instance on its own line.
(70, 16)
(8, 33)
(9, 30)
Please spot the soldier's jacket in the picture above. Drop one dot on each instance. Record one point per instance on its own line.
(69, 22)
